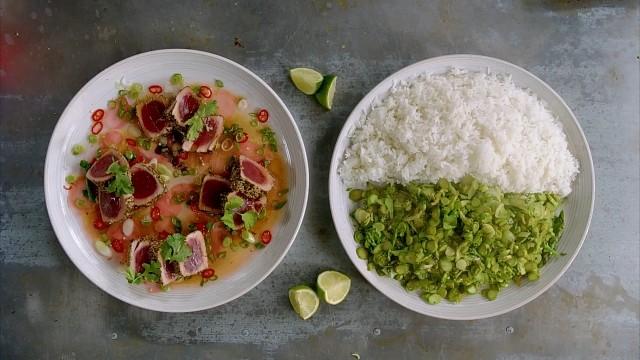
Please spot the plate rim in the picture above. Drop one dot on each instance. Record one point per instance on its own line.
(354, 117)
(50, 150)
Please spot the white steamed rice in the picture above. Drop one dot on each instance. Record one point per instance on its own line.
(456, 124)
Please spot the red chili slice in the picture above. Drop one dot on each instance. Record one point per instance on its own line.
(263, 115)
(205, 91)
(155, 213)
(243, 138)
(132, 142)
(155, 89)
(99, 224)
(117, 245)
(265, 237)
(97, 115)
(97, 127)
(163, 235)
(207, 273)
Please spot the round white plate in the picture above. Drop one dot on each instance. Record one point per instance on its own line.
(578, 207)
(155, 68)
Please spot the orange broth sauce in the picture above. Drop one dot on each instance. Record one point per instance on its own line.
(223, 260)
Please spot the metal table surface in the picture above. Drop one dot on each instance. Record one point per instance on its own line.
(586, 50)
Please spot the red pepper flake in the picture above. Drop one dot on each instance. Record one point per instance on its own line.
(263, 115)
(163, 235)
(183, 155)
(243, 138)
(99, 224)
(207, 273)
(132, 142)
(202, 227)
(97, 115)
(265, 237)
(155, 89)
(117, 245)
(96, 128)
(205, 91)
(155, 213)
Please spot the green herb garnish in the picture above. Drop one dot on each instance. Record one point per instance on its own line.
(151, 271)
(269, 138)
(133, 277)
(177, 224)
(77, 149)
(121, 183)
(175, 248)
(249, 219)
(219, 83)
(233, 203)
(196, 123)
(234, 131)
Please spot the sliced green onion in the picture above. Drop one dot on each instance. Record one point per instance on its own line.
(92, 139)
(77, 149)
(176, 80)
(70, 179)
(219, 83)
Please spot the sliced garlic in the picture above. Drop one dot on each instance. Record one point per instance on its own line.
(103, 249)
(127, 227)
(243, 104)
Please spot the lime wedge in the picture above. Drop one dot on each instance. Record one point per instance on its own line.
(306, 80)
(326, 92)
(333, 286)
(304, 301)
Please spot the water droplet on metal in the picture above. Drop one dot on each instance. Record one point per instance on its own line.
(376, 331)
(114, 336)
(509, 330)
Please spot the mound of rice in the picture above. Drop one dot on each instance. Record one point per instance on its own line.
(456, 124)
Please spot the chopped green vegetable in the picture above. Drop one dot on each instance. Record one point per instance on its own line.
(92, 139)
(144, 142)
(175, 248)
(70, 179)
(234, 131)
(248, 237)
(269, 138)
(121, 183)
(280, 205)
(134, 90)
(226, 242)
(77, 149)
(219, 83)
(176, 80)
(111, 104)
(132, 277)
(177, 224)
(129, 155)
(196, 123)
(448, 240)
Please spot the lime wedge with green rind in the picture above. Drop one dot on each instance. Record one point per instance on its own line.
(306, 80)
(333, 286)
(326, 92)
(304, 301)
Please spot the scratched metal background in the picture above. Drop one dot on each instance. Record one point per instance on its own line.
(586, 50)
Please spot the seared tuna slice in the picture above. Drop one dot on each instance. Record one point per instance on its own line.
(146, 184)
(208, 138)
(151, 116)
(256, 205)
(213, 193)
(113, 208)
(98, 171)
(140, 253)
(198, 260)
(169, 271)
(185, 106)
(249, 178)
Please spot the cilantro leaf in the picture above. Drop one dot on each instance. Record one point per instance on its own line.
(196, 123)
(175, 248)
(233, 203)
(269, 138)
(151, 271)
(249, 219)
(132, 277)
(121, 183)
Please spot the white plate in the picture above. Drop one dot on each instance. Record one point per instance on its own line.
(578, 206)
(155, 68)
